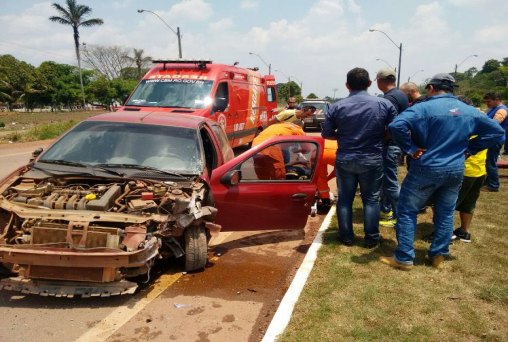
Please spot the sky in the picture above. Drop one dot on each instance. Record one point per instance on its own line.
(312, 42)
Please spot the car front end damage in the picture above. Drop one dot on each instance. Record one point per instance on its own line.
(67, 236)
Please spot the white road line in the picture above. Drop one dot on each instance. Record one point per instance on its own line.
(114, 321)
(281, 318)
(14, 154)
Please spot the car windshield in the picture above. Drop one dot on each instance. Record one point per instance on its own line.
(116, 143)
(172, 92)
(318, 105)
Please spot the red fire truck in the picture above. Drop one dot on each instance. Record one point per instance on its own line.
(240, 99)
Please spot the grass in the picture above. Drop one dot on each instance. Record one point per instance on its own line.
(350, 295)
(22, 127)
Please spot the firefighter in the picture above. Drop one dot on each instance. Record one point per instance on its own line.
(329, 152)
(270, 163)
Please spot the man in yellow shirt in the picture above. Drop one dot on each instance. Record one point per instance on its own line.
(474, 178)
(475, 173)
(293, 115)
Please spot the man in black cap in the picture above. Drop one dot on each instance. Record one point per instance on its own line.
(391, 153)
(436, 134)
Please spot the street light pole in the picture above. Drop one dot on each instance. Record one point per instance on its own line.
(177, 32)
(268, 65)
(388, 64)
(465, 59)
(400, 52)
(414, 74)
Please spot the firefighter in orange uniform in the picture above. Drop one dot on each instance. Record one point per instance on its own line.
(269, 163)
(329, 152)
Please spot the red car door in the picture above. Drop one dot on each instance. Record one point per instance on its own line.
(271, 186)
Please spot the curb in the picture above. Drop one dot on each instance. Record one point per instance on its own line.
(283, 314)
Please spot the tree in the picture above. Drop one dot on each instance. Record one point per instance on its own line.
(139, 60)
(74, 16)
(107, 60)
(312, 96)
(490, 66)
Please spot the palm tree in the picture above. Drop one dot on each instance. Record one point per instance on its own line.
(74, 15)
(139, 60)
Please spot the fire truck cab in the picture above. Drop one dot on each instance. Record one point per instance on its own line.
(240, 99)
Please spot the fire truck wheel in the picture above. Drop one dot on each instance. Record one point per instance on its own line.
(196, 248)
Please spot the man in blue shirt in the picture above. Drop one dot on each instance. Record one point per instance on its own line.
(499, 113)
(436, 134)
(358, 123)
(391, 153)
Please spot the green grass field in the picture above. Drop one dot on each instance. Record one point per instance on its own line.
(350, 295)
(22, 127)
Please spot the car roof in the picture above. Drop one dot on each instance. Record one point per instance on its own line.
(154, 118)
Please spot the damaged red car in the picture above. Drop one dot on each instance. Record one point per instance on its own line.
(121, 190)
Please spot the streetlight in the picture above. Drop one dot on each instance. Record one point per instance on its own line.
(177, 32)
(269, 66)
(465, 59)
(382, 60)
(398, 47)
(334, 91)
(414, 74)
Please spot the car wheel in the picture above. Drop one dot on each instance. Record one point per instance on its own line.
(196, 248)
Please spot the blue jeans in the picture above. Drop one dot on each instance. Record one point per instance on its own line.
(369, 174)
(491, 164)
(419, 185)
(390, 188)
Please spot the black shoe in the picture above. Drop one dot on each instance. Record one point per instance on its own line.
(372, 243)
(489, 189)
(428, 237)
(323, 206)
(461, 234)
(348, 243)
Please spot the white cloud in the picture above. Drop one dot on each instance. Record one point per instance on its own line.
(248, 4)
(327, 8)
(470, 3)
(194, 10)
(492, 34)
(221, 25)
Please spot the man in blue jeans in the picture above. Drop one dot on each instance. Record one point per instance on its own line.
(499, 113)
(436, 134)
(358, 123)
(391, 153)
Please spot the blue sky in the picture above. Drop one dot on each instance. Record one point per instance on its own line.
(314, 42)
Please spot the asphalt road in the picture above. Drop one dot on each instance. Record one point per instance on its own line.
(233, 299)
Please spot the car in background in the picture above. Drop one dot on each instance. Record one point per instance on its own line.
(315, 121)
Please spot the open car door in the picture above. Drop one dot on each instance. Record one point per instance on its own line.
(271, 186)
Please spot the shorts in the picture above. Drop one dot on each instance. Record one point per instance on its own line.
(469, 193)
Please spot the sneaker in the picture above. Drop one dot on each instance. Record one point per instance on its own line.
(383, 216)
(388, 223)
(390, 261)
(461, 234)
(347, 243)
(371, 244)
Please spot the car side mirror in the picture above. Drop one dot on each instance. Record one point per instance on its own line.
(36, 153)
(231, 178)
(220, 105)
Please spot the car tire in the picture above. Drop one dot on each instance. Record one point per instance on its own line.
(196, 248)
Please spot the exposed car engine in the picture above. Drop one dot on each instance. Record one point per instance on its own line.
(139, 218)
